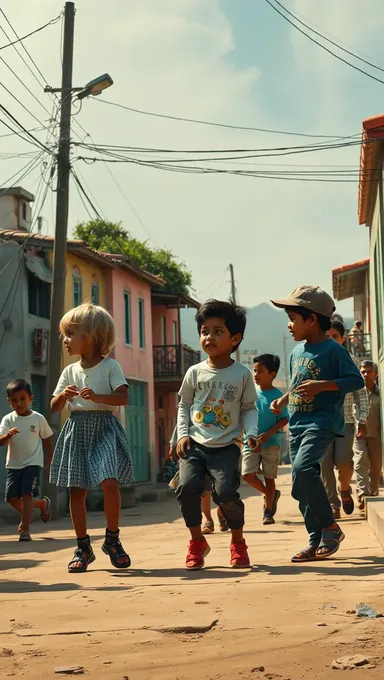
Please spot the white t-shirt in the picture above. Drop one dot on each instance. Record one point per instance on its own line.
(104, 378)
(26, 447)
(217, 405)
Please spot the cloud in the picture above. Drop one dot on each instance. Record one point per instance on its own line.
(180, 58)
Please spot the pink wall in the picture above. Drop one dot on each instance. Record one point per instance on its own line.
(137, 363)
(171, 315)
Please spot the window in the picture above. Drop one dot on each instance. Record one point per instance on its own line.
(39, 297)
(127, 317)
(175, 333)
(95, 293)
(77, 283)
(24, 211)
(141, 324)
(163, 330)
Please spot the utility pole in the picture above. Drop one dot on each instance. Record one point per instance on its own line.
(234, 301)
(62, 202)
(62, 207)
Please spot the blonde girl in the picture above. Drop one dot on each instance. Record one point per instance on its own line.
(92, 448)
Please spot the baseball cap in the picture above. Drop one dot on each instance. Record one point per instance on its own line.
(310, 297)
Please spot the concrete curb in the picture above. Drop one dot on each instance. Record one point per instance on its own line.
(375, 516)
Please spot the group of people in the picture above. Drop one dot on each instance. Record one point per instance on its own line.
(229, 426)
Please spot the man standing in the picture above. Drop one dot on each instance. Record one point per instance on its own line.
(368, 451)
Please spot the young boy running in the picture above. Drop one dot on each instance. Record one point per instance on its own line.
(25, 432)
(218, 397)
(322, 373)
(265, 461)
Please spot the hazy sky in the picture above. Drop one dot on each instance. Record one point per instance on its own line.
(233, 61)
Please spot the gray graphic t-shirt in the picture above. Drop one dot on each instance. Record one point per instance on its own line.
(217, 405)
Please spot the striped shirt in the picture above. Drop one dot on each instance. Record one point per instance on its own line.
(356, 405)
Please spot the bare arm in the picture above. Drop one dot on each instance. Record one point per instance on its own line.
(278, 405)
(264, 436)
(5, 438)
(48, 450)
(59, 400)
(118, 398)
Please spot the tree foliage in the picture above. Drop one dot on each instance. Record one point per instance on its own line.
(111, 237)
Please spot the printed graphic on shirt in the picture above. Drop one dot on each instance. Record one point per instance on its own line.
(213, 414)
(33, 428)
(303, 368)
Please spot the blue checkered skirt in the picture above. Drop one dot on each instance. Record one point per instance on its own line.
(91, 447)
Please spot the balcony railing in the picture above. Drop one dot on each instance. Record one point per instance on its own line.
(360, 345)
(172, 361)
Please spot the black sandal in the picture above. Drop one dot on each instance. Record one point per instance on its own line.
(115, 550)
(347, 501)
(306, 555)
(330, 542)
(83, 556)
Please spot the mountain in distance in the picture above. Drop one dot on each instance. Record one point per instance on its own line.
(265, 332)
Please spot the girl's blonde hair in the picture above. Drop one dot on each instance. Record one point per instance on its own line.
(95, 323)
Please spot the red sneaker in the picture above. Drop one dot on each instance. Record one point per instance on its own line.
(197, 551)
(239, 556)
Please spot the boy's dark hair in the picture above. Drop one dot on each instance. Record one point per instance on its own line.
(233, 315)
(270, 361)
(18, 385)
(323, 321)
(338, 326)
(367, 363)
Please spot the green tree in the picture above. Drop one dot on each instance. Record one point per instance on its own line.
(111, 237)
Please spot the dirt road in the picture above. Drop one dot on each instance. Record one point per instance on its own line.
(158, 621)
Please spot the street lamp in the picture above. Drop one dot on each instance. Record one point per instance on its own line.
(96, 86)
(92, 89)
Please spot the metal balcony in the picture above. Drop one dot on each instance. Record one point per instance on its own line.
(170, 362)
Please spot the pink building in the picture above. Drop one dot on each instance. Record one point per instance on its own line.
(150, 351)
(129, 302)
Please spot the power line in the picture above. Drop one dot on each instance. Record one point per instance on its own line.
(20, 40)
(29, 134)
(332, 42)
(345, 61)
(213, 123)
(80, 186)
(21, 103)
(23, 84)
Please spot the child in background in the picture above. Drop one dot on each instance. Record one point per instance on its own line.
(368, 450)
(92, 448)
(340, 453)
(26, 433)
(322, 373)
(265, 460)
(217, 404)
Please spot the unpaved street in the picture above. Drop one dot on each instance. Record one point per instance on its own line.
(158, 621)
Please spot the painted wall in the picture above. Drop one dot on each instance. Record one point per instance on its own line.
(171, 315)
(136, 362)
(89, 272)
(16, 328)
(376, 283)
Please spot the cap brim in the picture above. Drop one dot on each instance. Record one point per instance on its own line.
(285, 303)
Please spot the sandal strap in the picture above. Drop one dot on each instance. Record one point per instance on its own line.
(330, 536)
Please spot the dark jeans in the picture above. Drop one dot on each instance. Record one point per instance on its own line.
(308, 450)
(223, 466)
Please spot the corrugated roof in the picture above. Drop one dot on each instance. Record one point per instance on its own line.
(360, 264)
(370, 151)
(350, 280)
(78, 247)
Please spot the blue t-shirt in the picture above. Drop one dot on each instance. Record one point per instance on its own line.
(266, 418)
(321, 361)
